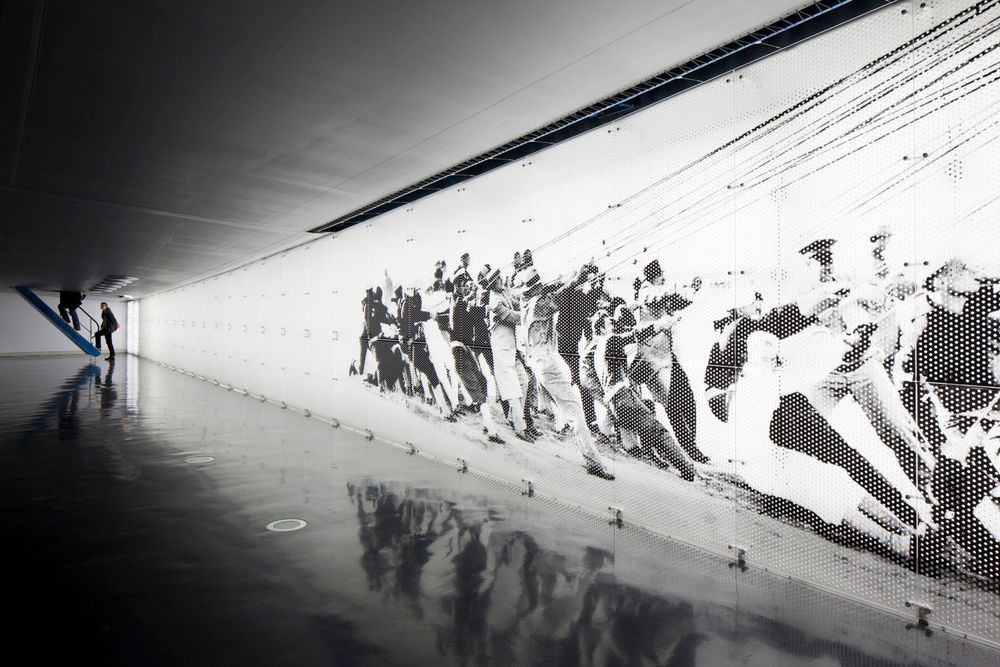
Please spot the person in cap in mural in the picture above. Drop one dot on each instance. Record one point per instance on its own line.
(553, 374)
(657, 367)
(642, 434)
(504, 318)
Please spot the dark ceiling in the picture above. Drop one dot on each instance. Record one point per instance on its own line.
(172, 139)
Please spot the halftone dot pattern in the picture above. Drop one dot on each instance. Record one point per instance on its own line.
(761, 318)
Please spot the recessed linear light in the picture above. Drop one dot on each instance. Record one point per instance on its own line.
(112, 283)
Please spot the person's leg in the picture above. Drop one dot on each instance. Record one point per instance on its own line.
(586, 398)
(76, 318)
(877, 396)
(654, 438)
(363, 339)
(682, 413)
(555, 378)
(797, 425)
(658, 382)
(111, 346)
(825, 396)
(62, 312)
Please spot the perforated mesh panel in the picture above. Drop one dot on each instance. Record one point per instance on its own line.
(767, 308)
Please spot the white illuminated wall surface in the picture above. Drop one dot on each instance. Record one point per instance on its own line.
(889, 121)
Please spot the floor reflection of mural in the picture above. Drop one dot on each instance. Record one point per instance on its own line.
(494, 595)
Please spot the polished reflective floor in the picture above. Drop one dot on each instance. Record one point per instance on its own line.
(135, 509)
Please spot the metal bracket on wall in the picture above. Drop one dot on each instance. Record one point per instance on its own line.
(463, 466)
(740, 557)
(921, 611)
(369, 436)
(334, 422)
(617, 518)
(412, 450)
(529, 488)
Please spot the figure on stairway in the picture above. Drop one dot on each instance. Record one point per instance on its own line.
(68, 303)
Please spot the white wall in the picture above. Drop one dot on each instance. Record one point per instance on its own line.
(874, 123)
(24, 331)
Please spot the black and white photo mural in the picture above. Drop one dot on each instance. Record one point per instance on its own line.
(763, 315)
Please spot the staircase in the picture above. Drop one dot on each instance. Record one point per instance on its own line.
(63, 326)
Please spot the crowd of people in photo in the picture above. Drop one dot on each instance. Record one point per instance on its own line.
(919, 356)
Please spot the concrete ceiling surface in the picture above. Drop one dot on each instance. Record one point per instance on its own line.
(172, 139)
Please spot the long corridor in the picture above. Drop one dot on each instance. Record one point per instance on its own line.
(136, 503)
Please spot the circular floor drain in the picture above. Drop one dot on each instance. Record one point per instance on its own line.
(286, 525)
(199, 459)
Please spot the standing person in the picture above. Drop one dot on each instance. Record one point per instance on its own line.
(109, 325)
(554, 376)
(70, 301)
(657, 367)
(504, 318)
(577, 304)
(614, 355)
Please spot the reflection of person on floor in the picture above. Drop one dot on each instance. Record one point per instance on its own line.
(109, 325)
(68, 403)
(68, 303)
(107, 391)
(554, 376)
(795, 475)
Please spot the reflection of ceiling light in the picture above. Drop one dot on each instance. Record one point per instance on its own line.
(112, 283)
(286, 525)
(126, 296)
